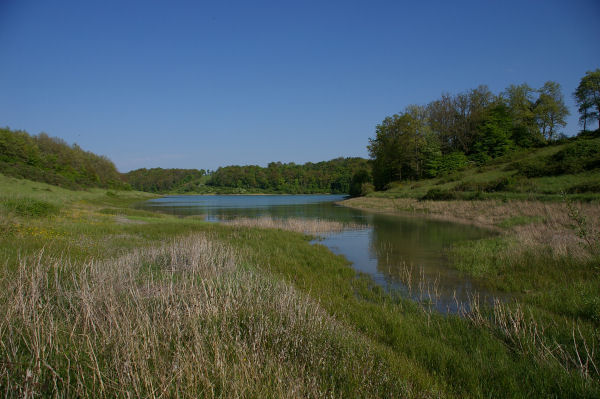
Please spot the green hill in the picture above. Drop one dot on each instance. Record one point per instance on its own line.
(570, 166)
(51, 160)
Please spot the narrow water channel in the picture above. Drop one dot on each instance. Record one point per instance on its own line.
(407, 254)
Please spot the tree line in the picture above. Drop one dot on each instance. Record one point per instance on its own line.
(159, 180)
(332, 176)
(473, 127)
(51, 160)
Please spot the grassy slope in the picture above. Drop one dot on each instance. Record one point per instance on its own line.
(477, 182)
(384, 345)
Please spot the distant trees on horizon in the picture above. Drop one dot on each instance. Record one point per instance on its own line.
(333, 176)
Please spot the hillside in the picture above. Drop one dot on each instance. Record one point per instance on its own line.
(51, 160)
(570, 166)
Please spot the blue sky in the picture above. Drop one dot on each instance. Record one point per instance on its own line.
(195, 84)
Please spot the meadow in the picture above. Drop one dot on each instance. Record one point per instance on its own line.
(101, 299)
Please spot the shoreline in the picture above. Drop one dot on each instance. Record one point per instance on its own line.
(355, 203)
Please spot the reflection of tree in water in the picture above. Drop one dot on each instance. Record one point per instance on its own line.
(325, 210)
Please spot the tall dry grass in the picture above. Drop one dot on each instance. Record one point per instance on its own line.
(306, 226)
(527, 335)
(180, 320)
(550, 223)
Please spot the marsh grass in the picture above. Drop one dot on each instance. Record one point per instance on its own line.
(183, 319)
(523, 331)
(305, 226)
(109, 309)
(27, 207)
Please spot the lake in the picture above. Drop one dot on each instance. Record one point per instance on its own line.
(408, 254)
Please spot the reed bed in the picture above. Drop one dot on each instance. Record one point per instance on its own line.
(532, 223)
(306, 226)
(528, 335)
(178, 320)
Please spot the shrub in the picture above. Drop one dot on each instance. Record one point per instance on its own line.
(28, 207)
(577, 157)
(588, 187)
(436, 194)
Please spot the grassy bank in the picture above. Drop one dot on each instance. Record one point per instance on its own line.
(569, 167)
(102, 300)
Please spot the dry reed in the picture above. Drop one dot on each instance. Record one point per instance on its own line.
(550, 224)
(522, 331)
(306, 226)
(181, 320)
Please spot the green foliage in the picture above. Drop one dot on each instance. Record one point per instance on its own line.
(579, 156)
(429, 141)
(494, 135)
(51, 160)
(437, 194)
(158, 180)
(360, 179)
(366, 188)
(453, 162)
(550, 110)
(500, 184)
(587, 96)
(27, 207)
(332, 176)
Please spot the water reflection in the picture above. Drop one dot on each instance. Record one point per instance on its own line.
(407, 254)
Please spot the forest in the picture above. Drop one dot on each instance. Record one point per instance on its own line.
(332, 176)
(474, 128)
(159, 180)
(51, 160)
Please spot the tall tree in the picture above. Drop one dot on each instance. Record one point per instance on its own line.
(587, 96)
(520, 102)
(550, 109)
(393, 150)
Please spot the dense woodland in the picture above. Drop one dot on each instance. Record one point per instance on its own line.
(332, 176)
(52, 160)
(475, 127)
(159, 180)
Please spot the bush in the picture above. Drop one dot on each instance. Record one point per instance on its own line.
(436, 194)
(28, 207)
(452, 162)
(500, 184)
(588, 187)
(577, 157)
(367, 188)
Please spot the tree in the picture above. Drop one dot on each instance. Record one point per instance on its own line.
(520, 102)
(550, 109)
(587, 96)
(358, 180)
(494, 134)
(393, 150)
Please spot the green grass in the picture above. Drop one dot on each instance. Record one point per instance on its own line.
(352, 338)
(501, 179)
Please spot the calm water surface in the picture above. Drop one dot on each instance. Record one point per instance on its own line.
(407, 254)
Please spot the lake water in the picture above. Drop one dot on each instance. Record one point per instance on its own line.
(405, 254)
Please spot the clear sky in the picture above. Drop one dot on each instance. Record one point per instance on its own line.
(202, 84)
